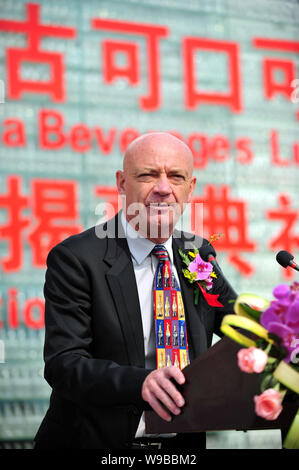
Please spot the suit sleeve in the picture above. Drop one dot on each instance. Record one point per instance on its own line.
(70, 368)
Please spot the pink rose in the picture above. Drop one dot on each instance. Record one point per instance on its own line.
(252, 359)
(268, 404)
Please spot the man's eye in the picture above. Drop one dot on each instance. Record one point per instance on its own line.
(177, 177)
(145, 176)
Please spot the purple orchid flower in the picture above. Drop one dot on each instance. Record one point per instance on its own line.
(294, 291)
(287, 335)
(282, 317)
(202, 268)
(209, 283)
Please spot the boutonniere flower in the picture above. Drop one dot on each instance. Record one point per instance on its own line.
(199, 273)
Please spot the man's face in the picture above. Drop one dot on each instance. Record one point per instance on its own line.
(157, 182)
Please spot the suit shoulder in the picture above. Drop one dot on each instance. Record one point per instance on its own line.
(85, 243)
(79, 239)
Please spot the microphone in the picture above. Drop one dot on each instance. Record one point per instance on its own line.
(285, 259)
(208, 253)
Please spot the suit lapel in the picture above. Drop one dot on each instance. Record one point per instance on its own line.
(122, 282)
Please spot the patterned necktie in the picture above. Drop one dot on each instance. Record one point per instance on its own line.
(169, 315)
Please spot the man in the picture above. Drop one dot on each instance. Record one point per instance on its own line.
(100, 351)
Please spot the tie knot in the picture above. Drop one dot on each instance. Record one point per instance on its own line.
(161, 252)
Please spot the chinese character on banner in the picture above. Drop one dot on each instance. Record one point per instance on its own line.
(193, 95)
(271, 65)
(54, 208)
(286, 238)
(131, 71)
(14, 203)
(227, 216)
(17, 56)
(54, 202)
(112, 200)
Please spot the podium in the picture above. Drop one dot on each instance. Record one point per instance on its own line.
(219, 396)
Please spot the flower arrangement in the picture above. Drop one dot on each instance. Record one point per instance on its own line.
(199, 273)
(197, 269)
(271, 351)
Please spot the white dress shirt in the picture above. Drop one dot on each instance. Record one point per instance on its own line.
(145, 265)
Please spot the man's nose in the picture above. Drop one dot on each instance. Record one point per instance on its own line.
(162, 186)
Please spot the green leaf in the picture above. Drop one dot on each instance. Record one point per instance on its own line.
(267, 381)
(270, 367)
(255, 314)
(261, 343)
(280, 350)
(196, 295)
(184, 257)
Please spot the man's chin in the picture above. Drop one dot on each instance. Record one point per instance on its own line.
(160, 225)
(156, 221)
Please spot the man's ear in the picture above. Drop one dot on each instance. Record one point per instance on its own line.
(120, 182)
(192, 187)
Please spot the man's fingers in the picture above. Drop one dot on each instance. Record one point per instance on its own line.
(169, 397)
(158, 390)
(175, 373)
(171, 392)
(158, 408)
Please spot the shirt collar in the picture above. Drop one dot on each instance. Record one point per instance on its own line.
(140, 246)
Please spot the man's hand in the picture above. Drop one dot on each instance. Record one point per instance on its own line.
(158, 389)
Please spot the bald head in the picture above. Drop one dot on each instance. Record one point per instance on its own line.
(157, 142)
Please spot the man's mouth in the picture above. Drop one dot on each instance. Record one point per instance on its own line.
(159, 204)
(159, 207)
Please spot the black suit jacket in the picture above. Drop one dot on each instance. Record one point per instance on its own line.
(94, 350)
